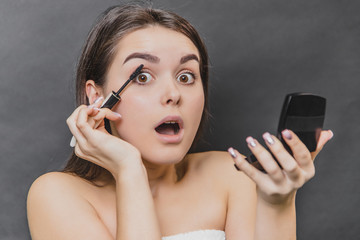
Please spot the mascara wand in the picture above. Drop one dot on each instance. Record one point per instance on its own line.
(114, 97)
(111, 100)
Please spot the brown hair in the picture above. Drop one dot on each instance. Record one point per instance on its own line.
(100, 49)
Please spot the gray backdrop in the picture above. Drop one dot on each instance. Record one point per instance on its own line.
(260, 51)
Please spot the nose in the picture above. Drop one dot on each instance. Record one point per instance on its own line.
(171, 94)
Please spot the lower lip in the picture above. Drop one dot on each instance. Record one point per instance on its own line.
(171, 138)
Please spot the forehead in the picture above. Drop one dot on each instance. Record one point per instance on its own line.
(158, 40)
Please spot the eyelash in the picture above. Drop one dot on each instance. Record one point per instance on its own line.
(191, 73)
(142, 71)
(185, 72)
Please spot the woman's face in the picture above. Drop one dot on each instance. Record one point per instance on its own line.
(162, 108)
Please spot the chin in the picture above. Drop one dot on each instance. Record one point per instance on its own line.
(164, 155)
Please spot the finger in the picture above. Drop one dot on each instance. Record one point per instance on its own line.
(285, 159)
(242, 165)
(108, 114)
(104, 113)
(97, 103)
(83, 125)
(325, 136)
(78, 152)
(81, 153)
(300, 151)
(92, 112)
(265, 159)
(71, 122)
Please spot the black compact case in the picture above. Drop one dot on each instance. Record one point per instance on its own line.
(304, 114)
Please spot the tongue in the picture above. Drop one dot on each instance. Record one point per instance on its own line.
(166, 129)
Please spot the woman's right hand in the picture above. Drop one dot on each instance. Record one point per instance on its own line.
(95, 144)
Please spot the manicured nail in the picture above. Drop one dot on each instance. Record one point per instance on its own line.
(232, 152)
(287, 134)
(267, 137)
(251, 141)
(98, 100)
(331, 134)
(117, 114)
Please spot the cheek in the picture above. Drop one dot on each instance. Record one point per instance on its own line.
(197, 104)
(195, 110)
(134, 111)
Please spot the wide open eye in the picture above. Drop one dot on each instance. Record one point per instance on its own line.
(143, 78)
(186, 78)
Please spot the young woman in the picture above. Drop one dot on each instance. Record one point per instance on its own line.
(139, 182)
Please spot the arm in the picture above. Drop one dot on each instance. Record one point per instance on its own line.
(275, 209)
(71, 216)
(136, 217)
(57, 209)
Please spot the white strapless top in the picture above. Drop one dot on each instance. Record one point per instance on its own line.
(198, 235)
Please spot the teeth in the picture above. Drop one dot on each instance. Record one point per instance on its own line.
(170, 122)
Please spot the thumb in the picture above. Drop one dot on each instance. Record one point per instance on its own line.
(325, 136)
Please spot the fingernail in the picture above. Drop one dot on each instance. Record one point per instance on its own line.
(267, 137)
(232, 152)
(98, 100)
(118, 114)
(331, 134)
(251, 141)
(287, 134)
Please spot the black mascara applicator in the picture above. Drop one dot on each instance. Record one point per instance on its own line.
(112, 99)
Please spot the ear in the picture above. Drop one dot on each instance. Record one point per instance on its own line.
(93, 91)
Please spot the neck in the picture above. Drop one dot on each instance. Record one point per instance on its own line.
(160, 175)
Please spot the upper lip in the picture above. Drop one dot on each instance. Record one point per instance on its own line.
(176, 119)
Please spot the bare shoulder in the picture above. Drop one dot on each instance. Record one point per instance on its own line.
(55, 186)
(51, 178)
(57, 181)
(57, 206)
(53, 191)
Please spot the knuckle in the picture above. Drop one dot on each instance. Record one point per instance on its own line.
(240, 165)
(296, 143)
(311, 172)
(263, 155)
(304, 154)
(299, 183)
(80, 125)
(277, 149)
(272, 170)
(291, 167)
(251, 173)
(273, 191)
(78, 151)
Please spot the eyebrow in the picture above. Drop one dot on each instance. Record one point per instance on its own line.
(155, 59)
(145, 56)
(188, 57)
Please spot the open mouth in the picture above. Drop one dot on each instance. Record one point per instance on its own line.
(168, 128)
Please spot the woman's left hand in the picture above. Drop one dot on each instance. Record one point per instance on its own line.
(279, 184)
